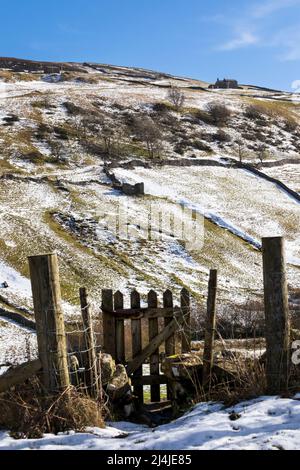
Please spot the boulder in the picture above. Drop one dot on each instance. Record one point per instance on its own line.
(107, 366)
(185, 374)
(119, 384)
(181, 366)
(120, 394)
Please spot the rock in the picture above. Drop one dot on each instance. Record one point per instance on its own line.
(234, 416)
(107, 367)
(119, 385)
(181, 366)
(295, 335)
(185, 374)
(119, 392)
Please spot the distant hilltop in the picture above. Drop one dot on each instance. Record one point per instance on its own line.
(24, 65)
(37, 67)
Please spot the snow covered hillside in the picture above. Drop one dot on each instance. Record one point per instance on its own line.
(58, 129)
(267, 423)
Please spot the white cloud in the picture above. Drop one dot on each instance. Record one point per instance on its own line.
(265, 9)
(252, 28)
(296, 86)
(292, 54)
(244, 39)
(287, 41)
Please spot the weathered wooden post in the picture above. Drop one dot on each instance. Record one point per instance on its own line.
(276, 314)
(93, 375)
(210, 328)
(49, 319)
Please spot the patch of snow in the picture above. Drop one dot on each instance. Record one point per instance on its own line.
(266, 423)
(15, 280)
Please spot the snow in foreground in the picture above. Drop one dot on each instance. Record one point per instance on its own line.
(267, 423)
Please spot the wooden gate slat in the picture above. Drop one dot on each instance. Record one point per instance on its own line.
(155, 343)
(109, 323)
(120, 329)
(136, 333)
(186, 334)
(170, 342)
(154, 358)
(150, 380)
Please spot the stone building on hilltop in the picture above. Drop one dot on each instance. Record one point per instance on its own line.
(226, 83)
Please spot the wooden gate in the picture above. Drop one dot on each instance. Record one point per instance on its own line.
(175, 319)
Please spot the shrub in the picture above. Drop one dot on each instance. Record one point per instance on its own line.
(43, 104)
(72, 109)
(10, 120)
(290, 125)
(253, 112)
(199, 145)
(201, 115)
(64, 132)
(33, 157)
(28, 413)
(219, 113)
(207, 136)
(221, 136)
(248, 136)
(43, 130)
(180, 147)
(118, 106)
(161, 107)
(262, 122)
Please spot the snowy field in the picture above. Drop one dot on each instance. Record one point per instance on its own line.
(17, 345)
(266, 423)
(236, 200)
(288, 174)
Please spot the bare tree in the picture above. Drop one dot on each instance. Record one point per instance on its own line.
(240, 149)
(176, 97)
(262, 153)
(108, 137)
(147, 131)
(58, 152)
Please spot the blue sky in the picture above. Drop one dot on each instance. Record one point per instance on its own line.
(255, 42)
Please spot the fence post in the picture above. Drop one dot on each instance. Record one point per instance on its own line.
(93, 376)
(50, 328)
(210, 328)
(276, 314)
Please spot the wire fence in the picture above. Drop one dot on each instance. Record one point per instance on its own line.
(239, 339)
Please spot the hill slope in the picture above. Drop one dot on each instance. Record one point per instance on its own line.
(59, 123)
